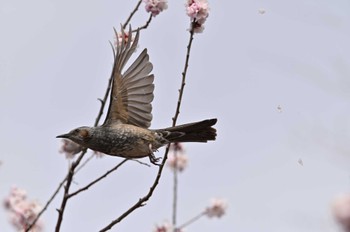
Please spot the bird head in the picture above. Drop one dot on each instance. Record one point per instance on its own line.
(80, 135)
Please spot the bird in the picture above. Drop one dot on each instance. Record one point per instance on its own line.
(125, 131)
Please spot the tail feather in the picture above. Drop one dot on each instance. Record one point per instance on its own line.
(191, 132)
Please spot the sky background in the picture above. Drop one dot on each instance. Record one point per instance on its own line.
(55, 61)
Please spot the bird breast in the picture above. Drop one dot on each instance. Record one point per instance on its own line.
(123, 140)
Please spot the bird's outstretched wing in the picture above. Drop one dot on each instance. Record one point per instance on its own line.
(132, 91)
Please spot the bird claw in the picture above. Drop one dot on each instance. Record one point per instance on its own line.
(154, 160)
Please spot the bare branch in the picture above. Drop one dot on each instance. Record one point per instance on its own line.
(141, 202)
(66, 189)
(146, 24)
(132, 14)
(190, 221)
(184, 73)
(46, 205)
(97, 180)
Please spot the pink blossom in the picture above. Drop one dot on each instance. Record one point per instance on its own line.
(22, 212)
(166, 227)
(123, 36)
(217, 208)
(16, 196)
(177, 147)
(197, 9)
(177, 158)
(155, 6)
(341, 210)
(70, 148)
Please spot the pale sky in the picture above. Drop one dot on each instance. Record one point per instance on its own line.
(277, 82)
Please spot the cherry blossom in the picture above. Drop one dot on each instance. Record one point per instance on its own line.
(177, 159)
(166, 227)
(22, 212)
(155, 6)
(198, 11)
(217, 208)
(70, 148)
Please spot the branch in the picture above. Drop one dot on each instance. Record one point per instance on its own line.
(132, 14)
(190, 221)
(141, 202)
(83, 164)
(97, 180)
(184, 73)
(46, 205)
(66, 189)
(146, 24)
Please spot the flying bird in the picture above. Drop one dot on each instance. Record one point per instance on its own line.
(125, 132)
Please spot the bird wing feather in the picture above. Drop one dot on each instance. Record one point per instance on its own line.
(132, 91)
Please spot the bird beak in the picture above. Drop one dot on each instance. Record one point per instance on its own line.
(64, 136)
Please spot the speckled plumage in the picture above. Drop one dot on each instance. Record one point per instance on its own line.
(125, 131)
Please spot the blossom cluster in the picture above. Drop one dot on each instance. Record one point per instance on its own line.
(198, 11)
(177, 158)
(70, 148)
(155, 6)
(217, 208)
(165, 227)
(22, 212)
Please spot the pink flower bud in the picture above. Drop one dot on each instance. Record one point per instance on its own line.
(217, 208)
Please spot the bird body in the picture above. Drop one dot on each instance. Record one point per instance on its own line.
(125, 131)
(130, 141)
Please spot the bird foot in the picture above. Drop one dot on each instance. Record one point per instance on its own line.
(154, 160)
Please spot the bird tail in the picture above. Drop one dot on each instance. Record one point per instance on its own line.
(191, 132)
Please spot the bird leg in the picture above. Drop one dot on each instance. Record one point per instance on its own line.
(154, 160)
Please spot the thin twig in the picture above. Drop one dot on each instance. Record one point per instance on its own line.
(97, 180)
(183, 82)
(146, 24)
(132, 14)
(66, 190)
(191, 221)
(142, 163)
(141, 202)
(46, 205)
(83, 164)
(177, 112)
